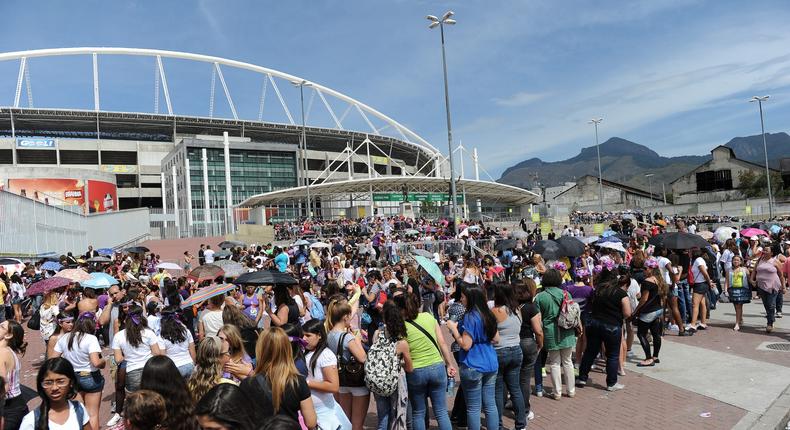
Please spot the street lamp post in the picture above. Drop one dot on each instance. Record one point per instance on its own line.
(437, 22)
(760, 100)
(303, 147)
(649, 177)
(596, 121)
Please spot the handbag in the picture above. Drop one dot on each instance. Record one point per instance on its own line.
(351, 372)
(34, 323)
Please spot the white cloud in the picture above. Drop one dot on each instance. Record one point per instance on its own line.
(519, 99)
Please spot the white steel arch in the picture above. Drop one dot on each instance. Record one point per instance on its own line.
(409, 136)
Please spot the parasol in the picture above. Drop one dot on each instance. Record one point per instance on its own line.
(723, 233)
(422, 253)
(751, 231)
(47, 285)
(548, 249)
(169, 266)
(232, 244)
(571, 246)
(99, 260)
(678, 240)
(589, 240)
(51, 265)
(300, 242)
(105, 251)
(707, 235)
(206, 293)
(432, 269)
(265, 277)
(137, 250)
(232, 269)
(205, 272)
(75, 275)
(320, 245)
(99, 280)
(617, 246)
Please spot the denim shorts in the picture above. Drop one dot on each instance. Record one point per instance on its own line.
(90, 382)
(701, 288)
(133, 380)
(186, 369)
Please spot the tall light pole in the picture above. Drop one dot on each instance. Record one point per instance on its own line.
(596, 121)
(437, 22)
(303, 147)
(760, 100)
(649, 177)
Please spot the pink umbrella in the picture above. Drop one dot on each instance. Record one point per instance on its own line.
(75, 275)
(749, 232)
(47, 285)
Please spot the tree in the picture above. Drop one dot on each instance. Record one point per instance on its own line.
(754, 185)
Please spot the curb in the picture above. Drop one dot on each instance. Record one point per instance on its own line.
(775, 417)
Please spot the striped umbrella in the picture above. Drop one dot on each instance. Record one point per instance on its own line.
(47, 285)
(206, 293)
(205, 272)
(75, 275)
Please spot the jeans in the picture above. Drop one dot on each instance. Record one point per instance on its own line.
(479, 389)
(424, 382)
(769, 302)
(561, 359)
(779, 301)
(458, 413)
(610, 336)
(509, 359)
(529, 351)
(186, 370)
(684, 301)
(540, 363)
(383, 407)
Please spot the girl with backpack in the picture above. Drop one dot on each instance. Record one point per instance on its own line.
(387, 360)
(558, 342)
(322, 377)
(57, 386)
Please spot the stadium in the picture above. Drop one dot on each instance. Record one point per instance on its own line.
(310, 150)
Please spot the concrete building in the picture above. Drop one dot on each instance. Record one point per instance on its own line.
(714, 181)
(584, 196)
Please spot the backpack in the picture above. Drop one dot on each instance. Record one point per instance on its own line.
(316, 308)
(570, 313)
(78, 410)
(382, 367)
(498, 276)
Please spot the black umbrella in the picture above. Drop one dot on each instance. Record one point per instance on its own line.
(137, 250)
(265, 277)
(571, 246)
(505, 244)
(231, 244)
(548, 249)
(678, 240)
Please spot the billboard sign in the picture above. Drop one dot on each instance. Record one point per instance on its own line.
(35, 143)
(55, 192)
(118, 168)
(102, 197)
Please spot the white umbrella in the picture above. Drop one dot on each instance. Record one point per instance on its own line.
(617, 246)
(169, 266)
(320, 245)
(589, 240)
(723, 233)
(301, 242)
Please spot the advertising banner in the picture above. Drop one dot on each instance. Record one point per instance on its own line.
(35, 143)
(102, 197)
(118, 168)
(56, 192)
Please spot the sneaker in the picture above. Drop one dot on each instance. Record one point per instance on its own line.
(615, 387)
(539, 390)
(674, 327)
(701, 326)
(769, 329)
(556, 395)
(629, 353)
(581, 383)
(531, 416)
(686, 333)
(779, 315)
(114, 420)
(737, 327)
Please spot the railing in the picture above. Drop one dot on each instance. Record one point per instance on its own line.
(30, 227)
(135, 241)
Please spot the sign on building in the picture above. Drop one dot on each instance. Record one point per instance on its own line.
(35, 143)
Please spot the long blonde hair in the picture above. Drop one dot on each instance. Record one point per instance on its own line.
(276, 363)
(208, 369)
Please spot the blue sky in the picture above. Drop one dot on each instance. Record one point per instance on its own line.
(525, 76)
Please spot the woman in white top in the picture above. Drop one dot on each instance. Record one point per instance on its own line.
(135, 344)
(177, 342)
(81, 348)
(48, 312)
(17, 292)
(12, 345)
(57, 385)
(322, 377)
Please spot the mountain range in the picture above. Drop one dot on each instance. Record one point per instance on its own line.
(627, 162)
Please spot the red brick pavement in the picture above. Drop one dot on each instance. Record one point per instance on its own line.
(173, 249)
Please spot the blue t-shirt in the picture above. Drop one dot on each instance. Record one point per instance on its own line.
(481, 356)
(281, 260)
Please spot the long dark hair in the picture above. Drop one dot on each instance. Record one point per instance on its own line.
(393, 320)
(61, 366)
(161, 375)
(282, 297)
(504, 296)
(85, 324)
(134, 325)
(171, 327)
(315, 326)
(228, 405)
(17, 342)
(476, 301)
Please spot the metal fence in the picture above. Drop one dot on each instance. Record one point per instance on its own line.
(29, 227)
(163, 226)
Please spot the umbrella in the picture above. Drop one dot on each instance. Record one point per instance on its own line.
(137, 250)
(678, 240)
(206, 271)
(505, 244)
(571, 246)
(47, 285)
(9, 261)
(608, 233)
(51, 265)
(617, 246)
(775, 229)
(265, 277)
(320, 245)
(411, 231)
(519, 234)
(707, 235)
(548, 249)
(232, 269)
(232, 244)
(222, 254)
(751, 231)
(100, 280)
(723, 233)
(474, 227)
(169, 266)
(300, 242)
(99, 260)
(609, 239)
(662, 223)
(75, 275)
(589, 240)
(422, 253)
(206, 293)
(105, 251)
(432, 269)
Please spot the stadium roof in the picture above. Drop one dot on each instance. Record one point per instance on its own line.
(484, 190)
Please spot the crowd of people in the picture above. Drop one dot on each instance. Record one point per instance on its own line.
(347, 320)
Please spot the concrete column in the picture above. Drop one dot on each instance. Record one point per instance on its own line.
(188, 193)
(164, 195)
(175, 201)
(477, 178)
(206, 200)
(228, 188)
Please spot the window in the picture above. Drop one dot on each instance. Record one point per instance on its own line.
(6, 156)
(714, 180)
(126, 181)
(119, 157)
(79, 157)
(36, 156)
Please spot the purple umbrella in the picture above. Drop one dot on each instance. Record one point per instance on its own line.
(47, 285)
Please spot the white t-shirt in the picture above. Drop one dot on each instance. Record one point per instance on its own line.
(135, 357)
(155, 323)
(699, 278)
(29, 421)
(212, 322)
(662, 266)
(634, 291)
(80, 354)
(326, 359)
(208, 255)
(178, 352)
(692, 228)
(348, 274)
